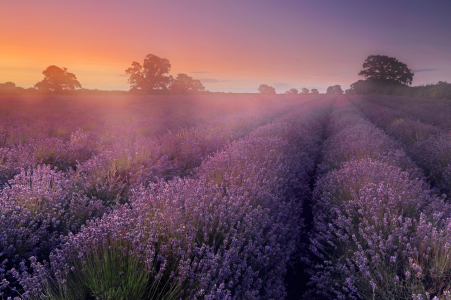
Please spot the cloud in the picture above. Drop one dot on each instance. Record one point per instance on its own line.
(326, 74)
(200, 72)
(424, 70)
(123, 75)
(282, 84)
(212, 80)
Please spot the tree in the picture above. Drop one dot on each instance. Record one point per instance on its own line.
(305, 91)
(334, 90)
(369, 87)
(11, 85)
(388, 69)
(291, 92)
(57, 80)
(184, 83)
(266, 89)
(314, 92)
(363, 87)
(150, 76)
(8, 88)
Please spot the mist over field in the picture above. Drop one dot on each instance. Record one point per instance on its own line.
(224, 196)
(225, 150)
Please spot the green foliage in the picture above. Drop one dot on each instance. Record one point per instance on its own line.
(440, 90)
(314, 92)
(110, 275)
(10, 88)
(292, 92)
(384, 68)
(57, 80)
(334, 90)
(185, 83)
(374, 86)
(151, 75)
(387, 76)
(112, 272)
(266, 89)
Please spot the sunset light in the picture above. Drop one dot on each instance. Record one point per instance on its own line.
(225, 150)
(234, 44)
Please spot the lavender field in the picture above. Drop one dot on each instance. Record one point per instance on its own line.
(224, 197)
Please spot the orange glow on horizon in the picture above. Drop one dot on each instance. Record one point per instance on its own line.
(232, 45)
(99, 49)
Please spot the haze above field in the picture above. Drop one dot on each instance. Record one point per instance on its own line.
(231, 46)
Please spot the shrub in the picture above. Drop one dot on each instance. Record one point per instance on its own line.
(367, 223)
(40, 206)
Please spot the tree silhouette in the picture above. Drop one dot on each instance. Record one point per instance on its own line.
(384, 68)
(305, 90)
(314, 92)
(185, 83)
(152, 75)
(8, 88)
(350, 91)
(266, 89)
(7, 85)
(57, 79)
(334, 90)
(291, 92)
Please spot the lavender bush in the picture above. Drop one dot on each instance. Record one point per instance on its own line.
(374, 219)
(79, 205)
(186, 202)
(427, 145)
(434, 112)
(40, 206)
(227, 233)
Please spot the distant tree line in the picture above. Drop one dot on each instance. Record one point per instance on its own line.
(387, 76)
(56, 80)
(10, 88)
(334, 90)
(152, 76)
(383, 75)
(269, 90)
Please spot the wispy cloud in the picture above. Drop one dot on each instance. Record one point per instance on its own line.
(424, 70)
(326, 74)
(281, 84)
(212, 80)
(123, 75)
(200, 72)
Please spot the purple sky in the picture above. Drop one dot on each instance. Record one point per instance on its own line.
(233, 45)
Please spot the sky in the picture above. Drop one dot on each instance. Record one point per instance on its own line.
(230, 45)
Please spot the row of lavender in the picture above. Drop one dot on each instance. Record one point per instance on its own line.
(104, 166)
(379, 232)
(41, 203)
(149, 116)
(430, 111)
(429, 146)
(227, 232)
